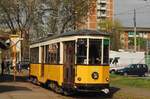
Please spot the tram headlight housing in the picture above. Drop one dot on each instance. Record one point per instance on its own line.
(79, 78)
(107, 79)
(95, 75)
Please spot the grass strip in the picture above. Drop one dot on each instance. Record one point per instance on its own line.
(137, 82)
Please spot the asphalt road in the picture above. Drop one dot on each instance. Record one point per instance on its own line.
(23, 89)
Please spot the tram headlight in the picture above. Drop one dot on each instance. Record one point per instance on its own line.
(107, 79)
(79, 78)
(95, 75)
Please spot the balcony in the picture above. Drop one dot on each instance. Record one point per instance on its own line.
(101, 7)
(103, 15)
(101, 1)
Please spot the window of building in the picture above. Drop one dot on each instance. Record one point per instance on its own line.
(95, 51)
(34, 55)
(103, 5)
(103, 12)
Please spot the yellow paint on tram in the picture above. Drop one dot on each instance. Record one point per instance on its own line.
(51, 73)
(85, 74)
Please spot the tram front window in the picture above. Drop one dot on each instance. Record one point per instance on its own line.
(81, 51)
(106, 52)
(95, 51)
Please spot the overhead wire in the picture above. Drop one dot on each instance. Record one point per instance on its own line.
(139, 10)
(131, 11)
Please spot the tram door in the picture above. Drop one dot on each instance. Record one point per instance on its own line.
(42, 61)
(69, 63)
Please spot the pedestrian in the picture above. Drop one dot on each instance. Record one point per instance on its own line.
(8, 67)
(2, 67)
(19, 67)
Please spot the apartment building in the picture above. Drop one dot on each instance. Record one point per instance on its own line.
(103, 10)
(142, 38)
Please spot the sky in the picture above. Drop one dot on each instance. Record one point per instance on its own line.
(124, 11)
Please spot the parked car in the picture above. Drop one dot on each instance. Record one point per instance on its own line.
(113, 69)
(134, 69)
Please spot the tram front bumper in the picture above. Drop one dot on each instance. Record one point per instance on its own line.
(92, 87)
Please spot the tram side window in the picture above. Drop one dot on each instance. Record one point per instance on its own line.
(52, 53)
(81, 51)
(95, 51)
(106, 52)
(34, 55)
(47, 54)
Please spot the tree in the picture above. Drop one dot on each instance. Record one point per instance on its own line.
(115, 29)
(39, 17)
(73, 12)
(17, 17)
(59, 16)
(141, 43)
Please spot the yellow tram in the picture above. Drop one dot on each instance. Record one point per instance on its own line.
(72, 61)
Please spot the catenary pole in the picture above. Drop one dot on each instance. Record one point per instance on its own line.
(134, 19)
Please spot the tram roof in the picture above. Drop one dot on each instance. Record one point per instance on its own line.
(84, 32)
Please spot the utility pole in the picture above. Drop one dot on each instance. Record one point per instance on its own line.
(134, 20)
(14, 41)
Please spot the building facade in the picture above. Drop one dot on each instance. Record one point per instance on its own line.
(142, 38)
(103, 9)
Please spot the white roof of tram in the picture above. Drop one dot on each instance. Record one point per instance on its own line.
(84, 32)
